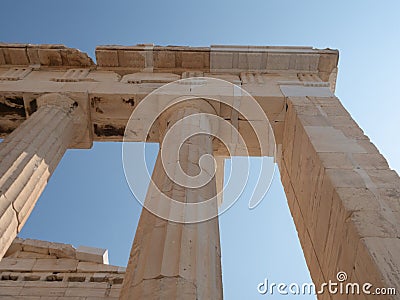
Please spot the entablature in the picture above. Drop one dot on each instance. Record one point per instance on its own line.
(124, 75)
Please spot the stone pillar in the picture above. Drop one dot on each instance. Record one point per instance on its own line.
(342, 195)
(28, 157)
(172, 260)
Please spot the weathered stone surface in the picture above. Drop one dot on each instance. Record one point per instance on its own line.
(20, 264)
(62, 250)
(96, 267)
(355, 207)
(29, 156)
(84, 253)
(36, 246)
(341, 193)
(55, 265)
(131, 59)
(16, 246)
(182, 261)
(46, 277)
(18, 56)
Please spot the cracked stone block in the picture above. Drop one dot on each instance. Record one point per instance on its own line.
(90, 254)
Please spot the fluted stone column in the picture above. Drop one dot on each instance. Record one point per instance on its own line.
(28, 157)
(172, 260)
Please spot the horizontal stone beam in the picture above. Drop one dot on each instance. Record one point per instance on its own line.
(177, 59)
(110, 90)
(44, 55)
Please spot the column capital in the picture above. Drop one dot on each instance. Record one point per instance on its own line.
(186, 108)
(62, 102)
(75, 111)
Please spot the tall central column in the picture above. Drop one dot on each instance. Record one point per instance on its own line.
(171, 260)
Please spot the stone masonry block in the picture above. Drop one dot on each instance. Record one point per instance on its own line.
(252, 61)
(10, 291)
(62, 250)
(391, 196)
(107, 58)
(164, 59)
(15, 246)
(385, 253)
(306, 62)
(335, 160)
(337, 141)
(2, 59)
(366, 268)
(18, 56)
(221, 60)
(74, 57)
(288, 140)
(40, 291)
(327, 62)
(276, 61)
(87, 290)
(318, 214)
(374, 224)
(55, 265)
(357, 199)
(50, 57)
(193, 60)
(368, 146)
(36, 246)
(23, 254)
(314, 120)
(337, 110)
(346, 245)
(352, 131)
(370, 161)
(90, 267)
(90, 254)
(384, 178)
(133, 59)
(17, 264)
(336, 228)
(33, 55)
(345, 178)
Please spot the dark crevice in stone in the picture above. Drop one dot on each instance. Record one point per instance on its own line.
(12, 106)
(108, 130)
(130, 101)
(32, 106)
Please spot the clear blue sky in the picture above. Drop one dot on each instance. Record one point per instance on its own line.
(87, 201)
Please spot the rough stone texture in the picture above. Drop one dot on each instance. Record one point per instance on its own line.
(94, 254)
(28, 157)
(44, 55)
(343, 197)
(110, 96)
(340, 195)
(46, 276)
(172, 260)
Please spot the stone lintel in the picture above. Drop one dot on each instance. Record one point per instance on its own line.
(176, 59)
(109, 91)
(109, 106)
(217, 58)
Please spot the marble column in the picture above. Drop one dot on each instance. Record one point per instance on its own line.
(28, 157)
(177, 260)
